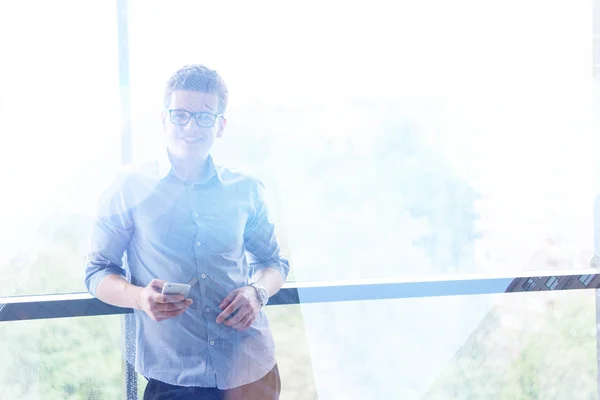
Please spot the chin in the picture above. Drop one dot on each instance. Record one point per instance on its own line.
(199, 153)
(187, 153)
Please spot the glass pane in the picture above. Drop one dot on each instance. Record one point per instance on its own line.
(431, 141)
(294, 358)
(74, 358)
(528, 345)
(81, 357)
(60, 109)
(536, 345)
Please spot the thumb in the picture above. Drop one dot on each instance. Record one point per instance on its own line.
(157, 284)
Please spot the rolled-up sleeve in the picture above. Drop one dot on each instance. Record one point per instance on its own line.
(260, 238)
(111, 232)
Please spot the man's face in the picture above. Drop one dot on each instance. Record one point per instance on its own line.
(191, 124)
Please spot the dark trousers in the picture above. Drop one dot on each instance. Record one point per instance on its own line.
(157, 390)
(266, 388)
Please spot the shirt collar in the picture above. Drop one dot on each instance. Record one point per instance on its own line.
(165, 168)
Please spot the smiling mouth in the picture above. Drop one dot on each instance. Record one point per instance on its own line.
(191, 139)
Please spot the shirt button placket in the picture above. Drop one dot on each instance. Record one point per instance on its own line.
(198, 244)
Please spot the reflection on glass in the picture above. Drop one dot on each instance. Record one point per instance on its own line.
(62, 358)
(529, 284)
(586, 279)
(532, 346)
(552, 282)
(540, 346)
(293, 352)
(81, 357)
(471, 347)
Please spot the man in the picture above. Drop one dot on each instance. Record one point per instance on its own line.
(189, 221)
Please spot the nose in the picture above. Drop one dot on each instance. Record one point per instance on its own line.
(191, 126)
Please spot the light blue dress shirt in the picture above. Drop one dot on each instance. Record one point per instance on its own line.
(215, 232)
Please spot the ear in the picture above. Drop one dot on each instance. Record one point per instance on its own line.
(163, 116)
(222, 124)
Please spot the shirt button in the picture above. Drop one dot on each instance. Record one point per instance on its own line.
(207, 309)
(196, 215)
(203, 276)
(212, 342)
(198, 244)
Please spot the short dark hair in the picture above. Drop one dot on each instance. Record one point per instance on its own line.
(198, 78)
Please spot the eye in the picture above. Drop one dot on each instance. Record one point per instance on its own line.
(179, 116)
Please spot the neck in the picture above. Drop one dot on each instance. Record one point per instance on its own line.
(188, 168)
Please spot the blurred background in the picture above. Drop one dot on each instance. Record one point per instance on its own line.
(396, 139)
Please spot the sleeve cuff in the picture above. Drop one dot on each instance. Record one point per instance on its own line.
(282, 266)
(95, 279)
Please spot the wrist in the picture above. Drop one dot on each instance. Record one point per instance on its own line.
(261, 292)
(134, 293)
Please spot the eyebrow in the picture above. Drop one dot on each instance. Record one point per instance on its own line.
(182, 109)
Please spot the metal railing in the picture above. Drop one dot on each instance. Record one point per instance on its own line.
(17, 308)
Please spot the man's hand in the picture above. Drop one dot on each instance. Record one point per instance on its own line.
(246, 306)
(161, 306)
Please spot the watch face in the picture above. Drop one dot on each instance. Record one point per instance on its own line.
(263, 294)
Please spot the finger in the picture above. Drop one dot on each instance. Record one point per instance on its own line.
(161, 316)
(228, 311)
(240, 326)
(172, 310)
(227, 300)
(241, 314)
(160, 307)
(167, 298)
(169, 314)
(250, 322)
(157, 284)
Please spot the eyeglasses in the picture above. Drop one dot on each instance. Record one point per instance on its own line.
(203, 119)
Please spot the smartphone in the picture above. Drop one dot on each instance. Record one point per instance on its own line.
(182, 289)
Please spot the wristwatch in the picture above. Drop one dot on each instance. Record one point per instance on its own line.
(261, 293)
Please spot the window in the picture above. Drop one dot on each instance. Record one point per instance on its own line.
(386, 160)
(61, 358)
(60, 112)
(552, 283)
(529, 284)
(586, 279)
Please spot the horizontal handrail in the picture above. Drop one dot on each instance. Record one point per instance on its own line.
(66, 305)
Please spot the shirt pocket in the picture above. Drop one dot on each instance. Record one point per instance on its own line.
(182, 232)
(152, 223)
(166, 224)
